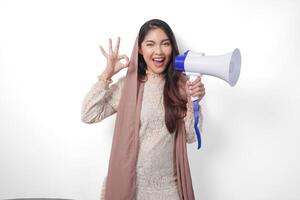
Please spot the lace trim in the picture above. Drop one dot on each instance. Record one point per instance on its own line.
(154, 75)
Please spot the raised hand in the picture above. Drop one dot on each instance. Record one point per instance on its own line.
(114, 64)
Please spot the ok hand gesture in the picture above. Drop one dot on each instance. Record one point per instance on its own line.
(113, 58)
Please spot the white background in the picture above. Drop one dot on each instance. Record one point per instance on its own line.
(49, 59)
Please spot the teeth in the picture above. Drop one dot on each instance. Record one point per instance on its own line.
(158, 59)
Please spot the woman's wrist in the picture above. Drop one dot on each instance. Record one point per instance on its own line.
(105, 77)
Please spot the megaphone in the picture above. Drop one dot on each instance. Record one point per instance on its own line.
(226, 67)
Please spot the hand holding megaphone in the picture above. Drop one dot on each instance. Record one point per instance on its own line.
(195, 88)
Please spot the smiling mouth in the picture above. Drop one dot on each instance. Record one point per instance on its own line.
(158, 61)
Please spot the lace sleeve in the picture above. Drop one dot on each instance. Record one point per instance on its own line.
(189, 123)
(101, 101)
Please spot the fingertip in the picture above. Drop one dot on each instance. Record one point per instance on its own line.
(125, 65)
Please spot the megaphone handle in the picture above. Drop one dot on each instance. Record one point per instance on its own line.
(192, 78)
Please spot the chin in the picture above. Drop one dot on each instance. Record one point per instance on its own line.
(158, 70)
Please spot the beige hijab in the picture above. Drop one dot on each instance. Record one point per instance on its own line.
(121, 177)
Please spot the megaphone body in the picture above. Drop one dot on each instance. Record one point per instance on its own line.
(226, 67)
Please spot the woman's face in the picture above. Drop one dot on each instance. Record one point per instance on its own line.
(156, 50)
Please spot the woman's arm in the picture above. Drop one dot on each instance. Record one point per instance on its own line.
(101, 101)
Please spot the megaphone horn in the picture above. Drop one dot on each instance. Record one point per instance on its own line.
(226, 67)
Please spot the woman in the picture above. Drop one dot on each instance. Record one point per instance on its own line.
(154, 118)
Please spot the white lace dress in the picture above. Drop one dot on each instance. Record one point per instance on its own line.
(156, 175)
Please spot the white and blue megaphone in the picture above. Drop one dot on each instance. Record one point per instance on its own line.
(226, 67)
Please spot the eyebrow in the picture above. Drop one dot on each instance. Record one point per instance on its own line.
(161, 41)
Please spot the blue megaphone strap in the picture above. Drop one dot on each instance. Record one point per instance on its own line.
(196, 118)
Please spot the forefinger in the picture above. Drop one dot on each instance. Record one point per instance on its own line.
(127, 60)
(198, 79)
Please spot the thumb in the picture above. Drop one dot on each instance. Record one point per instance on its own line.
(188, 91)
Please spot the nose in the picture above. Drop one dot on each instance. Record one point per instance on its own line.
(158, 50)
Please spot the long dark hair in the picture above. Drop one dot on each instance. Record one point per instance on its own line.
(174, 96)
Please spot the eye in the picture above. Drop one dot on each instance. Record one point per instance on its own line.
(166, 43)
(149, 44)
